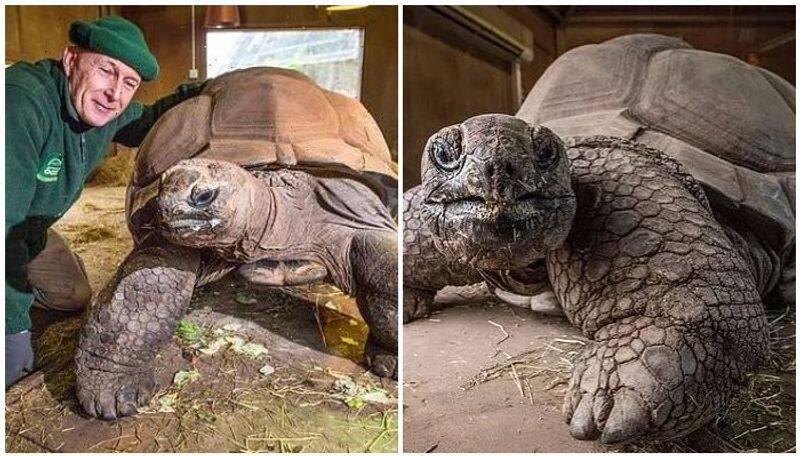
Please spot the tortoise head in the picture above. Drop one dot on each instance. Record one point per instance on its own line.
(501, 191)
(204, 203)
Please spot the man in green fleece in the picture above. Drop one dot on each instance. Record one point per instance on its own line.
(61, 117)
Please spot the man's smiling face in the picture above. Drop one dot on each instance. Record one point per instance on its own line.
(101, 87)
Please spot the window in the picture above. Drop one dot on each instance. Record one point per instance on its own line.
(331, 57)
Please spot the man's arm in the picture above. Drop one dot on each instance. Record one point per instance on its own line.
(138, 119)
(26, 128)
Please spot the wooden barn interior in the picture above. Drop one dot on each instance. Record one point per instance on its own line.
(462, 61)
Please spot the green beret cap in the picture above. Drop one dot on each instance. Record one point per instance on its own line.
(118, 38)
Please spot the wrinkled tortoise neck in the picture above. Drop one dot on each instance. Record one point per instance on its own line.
(267, 214)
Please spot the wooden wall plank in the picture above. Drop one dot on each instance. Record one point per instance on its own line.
(39, 32)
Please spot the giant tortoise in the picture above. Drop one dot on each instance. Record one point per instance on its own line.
(662, 222)
(266, 174)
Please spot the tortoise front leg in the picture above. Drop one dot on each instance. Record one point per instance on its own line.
(672, 306)
(419, 287)
(134, 316)
(373, 256)
(425, 269)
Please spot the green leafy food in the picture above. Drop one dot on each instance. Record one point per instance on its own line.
(182, 378)
(267, 370)
(166, 404)
(189, 331)
(354, 402)
(244, 298)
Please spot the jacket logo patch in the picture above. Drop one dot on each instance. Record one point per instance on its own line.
(48, 172)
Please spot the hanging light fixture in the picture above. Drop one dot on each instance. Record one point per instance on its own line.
(222, 17)
(335, 8)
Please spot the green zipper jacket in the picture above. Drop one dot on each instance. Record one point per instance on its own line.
(49, 154)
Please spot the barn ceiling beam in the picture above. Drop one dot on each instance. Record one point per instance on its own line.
(673, 18)
(554, 14)
(773, 43)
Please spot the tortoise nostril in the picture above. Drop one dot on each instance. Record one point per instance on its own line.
(501, 189)
(201, 198)
(509, 170)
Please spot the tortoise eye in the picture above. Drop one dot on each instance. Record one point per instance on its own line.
(203, 198)
(446, 151)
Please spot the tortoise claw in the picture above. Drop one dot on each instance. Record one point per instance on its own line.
(582, 425)
(111, 396)
(380, 361)
(628, 418)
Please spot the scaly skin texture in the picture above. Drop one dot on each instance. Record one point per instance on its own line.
(647, 273)
(374, 264)
(652, 278)
(425, 269)
(133, 317)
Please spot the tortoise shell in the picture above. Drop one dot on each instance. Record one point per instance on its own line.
(730, 124)
(265, 117)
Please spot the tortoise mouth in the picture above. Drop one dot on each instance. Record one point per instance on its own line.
(488, 235)
(189, 227)
(505, 230)
(503, 213)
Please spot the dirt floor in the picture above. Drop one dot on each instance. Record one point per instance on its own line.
(488, 377)
(248, 370)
